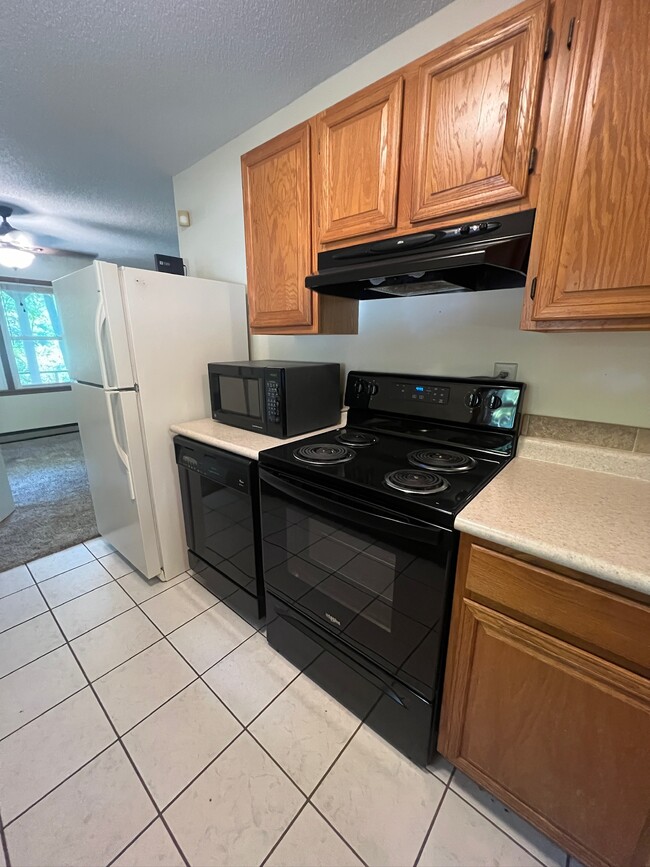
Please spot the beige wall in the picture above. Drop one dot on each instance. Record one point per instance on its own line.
(600, 376)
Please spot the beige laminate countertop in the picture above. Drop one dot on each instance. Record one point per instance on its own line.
(595, 522)
(234, 439)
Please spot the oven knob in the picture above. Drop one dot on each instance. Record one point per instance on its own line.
(373, 388)
(472, 399)
(358, 387)
(494, 401)
(464, 230)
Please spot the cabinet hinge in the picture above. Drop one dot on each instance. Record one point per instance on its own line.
(569, 38)
(532, 160)
(533, 288)
(548, 43)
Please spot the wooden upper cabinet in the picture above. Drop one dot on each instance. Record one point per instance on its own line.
(477, 101)
(277, 221)
(591, 256)
(357, 153)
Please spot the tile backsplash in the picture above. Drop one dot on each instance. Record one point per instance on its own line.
(592, 433)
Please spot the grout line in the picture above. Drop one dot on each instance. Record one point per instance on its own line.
(79, 596)
(503, 831)
(19, 590)
(66, 571)
(38, 716)
(433, 820)
(61, 782)
(121, 743)
(283, 834)
(3, 841)
(137, 837)
(160, 592)
(33, 617)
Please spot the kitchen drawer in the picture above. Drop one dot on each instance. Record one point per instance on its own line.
(601, 622)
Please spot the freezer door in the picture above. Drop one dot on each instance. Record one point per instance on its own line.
(109, 425)
(94, 326)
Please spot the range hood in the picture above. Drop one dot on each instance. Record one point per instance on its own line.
(467, 257)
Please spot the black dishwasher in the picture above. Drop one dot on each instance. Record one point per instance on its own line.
(220, 495)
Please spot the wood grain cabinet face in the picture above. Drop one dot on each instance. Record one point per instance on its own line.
(277, 202)
(558, 733)
(476, 110)
(357, 162)
(595, 255)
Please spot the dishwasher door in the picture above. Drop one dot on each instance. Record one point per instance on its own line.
(220, 495)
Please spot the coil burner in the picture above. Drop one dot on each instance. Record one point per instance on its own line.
(356, 438)
(414, 482)
(441, 460)
(323, 454)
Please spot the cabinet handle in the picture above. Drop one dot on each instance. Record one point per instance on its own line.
(533, 288)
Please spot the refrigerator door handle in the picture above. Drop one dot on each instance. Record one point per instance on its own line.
(100, 319)
(122, 455)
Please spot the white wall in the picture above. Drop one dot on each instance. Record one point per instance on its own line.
(598, 376)
(29, 411)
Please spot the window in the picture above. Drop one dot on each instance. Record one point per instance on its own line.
(32, 350)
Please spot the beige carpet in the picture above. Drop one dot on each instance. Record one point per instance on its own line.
(53, 506)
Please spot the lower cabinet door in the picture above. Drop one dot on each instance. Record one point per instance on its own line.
(559, 734)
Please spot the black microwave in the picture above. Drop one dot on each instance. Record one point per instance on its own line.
(278, 398)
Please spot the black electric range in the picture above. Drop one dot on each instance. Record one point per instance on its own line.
(359, 548)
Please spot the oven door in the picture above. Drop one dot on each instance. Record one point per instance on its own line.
(377, 581)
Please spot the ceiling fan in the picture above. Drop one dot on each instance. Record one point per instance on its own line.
(16, 249)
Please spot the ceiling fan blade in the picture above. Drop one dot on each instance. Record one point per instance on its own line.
(47, 251)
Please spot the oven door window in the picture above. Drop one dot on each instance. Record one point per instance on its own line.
(223, 529)
(382, 593)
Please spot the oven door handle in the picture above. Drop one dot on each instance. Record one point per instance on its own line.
(331, 648)
(333, 505)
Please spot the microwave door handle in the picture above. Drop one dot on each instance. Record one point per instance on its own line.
(367, 519)
(331, 648)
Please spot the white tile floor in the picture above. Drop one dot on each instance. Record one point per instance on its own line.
(148, 724)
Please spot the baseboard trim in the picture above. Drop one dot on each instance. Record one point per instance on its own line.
(37, 433)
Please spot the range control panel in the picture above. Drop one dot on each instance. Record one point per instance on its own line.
(490, 403)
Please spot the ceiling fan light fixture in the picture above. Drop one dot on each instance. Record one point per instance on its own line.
(12, 258)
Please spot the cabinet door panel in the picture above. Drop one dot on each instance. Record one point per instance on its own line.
(357, 161)
(477, 105)
(557, 732)
(595, 258)
(276, 178)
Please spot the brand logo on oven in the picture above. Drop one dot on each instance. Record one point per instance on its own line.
(332, 619)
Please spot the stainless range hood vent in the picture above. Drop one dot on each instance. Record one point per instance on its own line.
(469, 257)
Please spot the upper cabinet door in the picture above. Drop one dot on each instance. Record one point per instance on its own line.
(476, 112)
(357, 162)
(277, 203)
(594, 255)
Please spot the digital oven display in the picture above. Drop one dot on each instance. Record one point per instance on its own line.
(421, 393)
(240, 395)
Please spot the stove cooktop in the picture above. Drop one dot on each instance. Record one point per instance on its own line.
(422, 446)
(389, 470)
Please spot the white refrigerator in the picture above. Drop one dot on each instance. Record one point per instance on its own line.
(138, 344)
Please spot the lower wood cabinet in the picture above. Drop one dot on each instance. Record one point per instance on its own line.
(547, 702)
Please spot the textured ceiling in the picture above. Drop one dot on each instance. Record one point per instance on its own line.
(102, 101)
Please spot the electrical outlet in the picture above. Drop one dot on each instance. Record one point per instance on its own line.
(505, 370)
